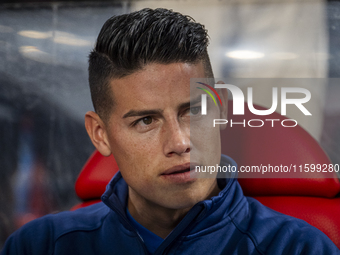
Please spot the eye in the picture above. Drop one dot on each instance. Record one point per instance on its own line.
(142, 122)
(146, 120)
(195, 110)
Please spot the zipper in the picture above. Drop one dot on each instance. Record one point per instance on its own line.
(166, 244)
(127, 222)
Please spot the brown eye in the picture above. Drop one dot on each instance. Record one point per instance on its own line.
(147, 120)
(195, 110)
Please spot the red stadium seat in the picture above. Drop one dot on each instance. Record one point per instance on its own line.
(313, 197)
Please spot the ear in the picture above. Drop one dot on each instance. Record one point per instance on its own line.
(223, 93)
(96, 130)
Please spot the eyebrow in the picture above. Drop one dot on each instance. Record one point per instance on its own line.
(192, 102)
(136, 113)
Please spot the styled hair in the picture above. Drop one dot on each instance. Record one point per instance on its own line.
(129, 42)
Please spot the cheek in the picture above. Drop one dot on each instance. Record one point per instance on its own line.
(206, 143)
(135, 157)
(213, 147)
(203, 134)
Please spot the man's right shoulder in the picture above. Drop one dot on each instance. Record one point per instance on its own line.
(39, 236)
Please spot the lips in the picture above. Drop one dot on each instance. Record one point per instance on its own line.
(180, 174)
(179, 169)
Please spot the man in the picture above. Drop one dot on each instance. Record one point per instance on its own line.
(139, 74)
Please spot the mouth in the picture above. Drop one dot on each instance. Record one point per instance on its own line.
(180, 173)
(180, 169)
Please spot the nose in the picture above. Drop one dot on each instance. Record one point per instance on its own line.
(177, 139)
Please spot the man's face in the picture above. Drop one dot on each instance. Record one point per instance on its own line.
(149, 135)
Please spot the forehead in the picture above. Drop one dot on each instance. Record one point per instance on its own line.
(155, 84)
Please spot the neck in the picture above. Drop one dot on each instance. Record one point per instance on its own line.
(159, 220)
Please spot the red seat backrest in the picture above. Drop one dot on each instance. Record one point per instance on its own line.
(275, 146)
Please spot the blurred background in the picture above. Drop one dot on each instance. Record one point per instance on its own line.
(44, 90)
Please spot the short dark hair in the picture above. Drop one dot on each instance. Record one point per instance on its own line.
(128, 42)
